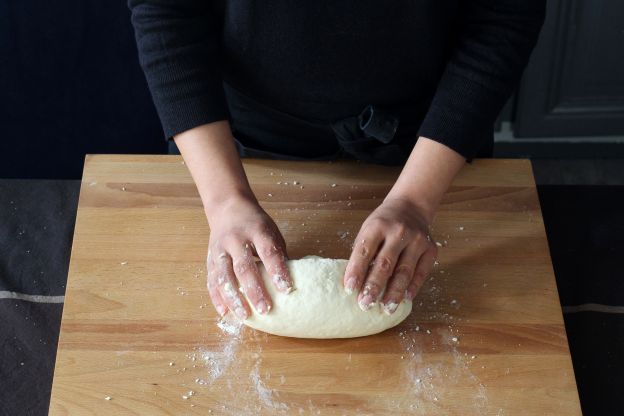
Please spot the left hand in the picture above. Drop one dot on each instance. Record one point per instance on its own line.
(393, 250)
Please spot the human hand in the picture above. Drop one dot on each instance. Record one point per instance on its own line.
(393, 250)
(240, 229)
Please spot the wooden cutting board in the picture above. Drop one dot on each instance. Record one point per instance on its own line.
(140, 337)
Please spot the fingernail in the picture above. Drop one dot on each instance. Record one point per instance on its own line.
(350, 285)
(390, 308)
(282, 284)
(240, 312)
(221, 310)
(262, 307)
(408, 295)
(366, 303)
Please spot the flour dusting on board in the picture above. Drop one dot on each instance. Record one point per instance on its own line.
(229, 325)
(231, 357)
(267, 396)
(240, 368)
(218, 361)
(431, 383)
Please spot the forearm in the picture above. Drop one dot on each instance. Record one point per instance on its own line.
(427, 176)
(179, 43)
(491, 49)
(214, 163)
(239, 228)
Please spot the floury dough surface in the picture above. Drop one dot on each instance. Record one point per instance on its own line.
(320, 307)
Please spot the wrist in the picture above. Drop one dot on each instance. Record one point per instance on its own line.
(426, 176)
(218, 207)
(426, 209)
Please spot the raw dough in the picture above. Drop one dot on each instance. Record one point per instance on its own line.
(320, 307)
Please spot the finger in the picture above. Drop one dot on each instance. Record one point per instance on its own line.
(227, 286)
(248, 275)
(379, 272)
(213, 291)
(273, 257)
(401, 277)
(366, 246)
(216, 299)
(425, 264)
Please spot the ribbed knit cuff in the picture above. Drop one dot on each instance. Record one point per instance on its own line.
(179, 116)
(462, 114)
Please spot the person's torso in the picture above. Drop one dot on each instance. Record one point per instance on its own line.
(326, 60)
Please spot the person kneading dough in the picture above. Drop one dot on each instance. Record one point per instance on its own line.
(417, 84)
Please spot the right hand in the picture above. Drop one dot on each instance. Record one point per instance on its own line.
(240, 229)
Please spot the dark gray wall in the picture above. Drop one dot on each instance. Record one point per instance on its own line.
(574, 85)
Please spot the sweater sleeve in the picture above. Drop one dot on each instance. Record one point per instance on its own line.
(494, 42)
(178, 45)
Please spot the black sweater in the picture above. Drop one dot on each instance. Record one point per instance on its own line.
(325, 60)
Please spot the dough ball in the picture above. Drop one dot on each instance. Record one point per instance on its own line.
(320, 307)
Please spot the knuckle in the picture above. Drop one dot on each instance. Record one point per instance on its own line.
(268, 250)
(401, 231)
(220, 261)
(420, 238)
(232, 240)
(395, 293)
(373, 221)
(220, 278)
(256, 293)
(403, 270)
(371, 288)
(383, 264)
(259, 228)
(250, 287)
(377, 224)
(241, 266)
(364, 249)
(252, 292)
(229, 290)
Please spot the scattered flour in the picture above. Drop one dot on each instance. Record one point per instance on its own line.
(218, 362)
(229, 326)
(235, 367)
(267, 396)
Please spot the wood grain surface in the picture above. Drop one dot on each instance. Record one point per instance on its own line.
(140, 337)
